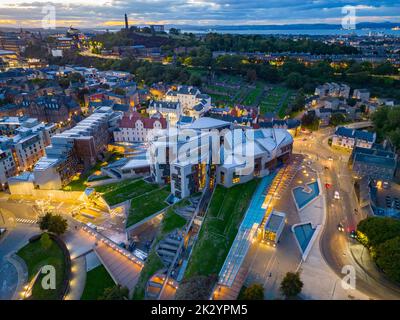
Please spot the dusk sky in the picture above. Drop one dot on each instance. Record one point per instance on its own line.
(109, 13)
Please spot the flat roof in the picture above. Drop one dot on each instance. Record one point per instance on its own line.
(275, 221)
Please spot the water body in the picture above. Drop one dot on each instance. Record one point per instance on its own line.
(309, 32)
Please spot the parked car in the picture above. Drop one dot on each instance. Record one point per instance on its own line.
(337, 196)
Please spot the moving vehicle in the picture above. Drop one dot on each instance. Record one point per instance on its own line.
(340, 227)
(353, 234)
(336, 196)
(2, 231)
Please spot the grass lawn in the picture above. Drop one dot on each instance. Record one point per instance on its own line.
(97, 280)
(147, 204)
(35, 257)
(153, 264)
(115, 193)
(219, 229)
(252, 96)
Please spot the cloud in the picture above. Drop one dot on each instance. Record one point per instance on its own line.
(91, 13)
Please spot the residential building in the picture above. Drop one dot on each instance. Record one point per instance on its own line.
(170, 110)
(350, 138)
(361, 94)
(193, 102)
(27, 139)
(75, 150)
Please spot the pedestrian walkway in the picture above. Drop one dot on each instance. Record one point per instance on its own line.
(122, 269)
(78, 279)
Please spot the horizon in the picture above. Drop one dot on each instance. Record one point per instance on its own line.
(110, 13)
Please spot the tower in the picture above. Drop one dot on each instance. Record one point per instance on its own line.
(126, 22)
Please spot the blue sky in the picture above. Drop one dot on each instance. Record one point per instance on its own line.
(100, 13)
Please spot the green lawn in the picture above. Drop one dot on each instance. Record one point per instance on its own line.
(97, 280)
(252, 96)
(147, 204)
(35, 257)
(153, 264)
(219, 229)
(115, 193)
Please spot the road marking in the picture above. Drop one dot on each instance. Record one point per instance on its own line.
(25, 221)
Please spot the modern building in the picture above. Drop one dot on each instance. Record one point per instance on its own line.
(75, 150)
(273, 227)
(350, 138)
(26, 138)
(208, 152)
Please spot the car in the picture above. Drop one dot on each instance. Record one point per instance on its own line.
(330, 158)
(353, 234)
(386, 185)
(337, 196)
(340, 227)
(3, 231)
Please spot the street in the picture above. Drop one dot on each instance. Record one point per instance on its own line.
(336, 245)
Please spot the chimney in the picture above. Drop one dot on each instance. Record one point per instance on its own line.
(126, 22)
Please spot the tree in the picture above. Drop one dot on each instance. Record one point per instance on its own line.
(337, 119)
(310, 121)
(299, 102)
(291, 285)
(174, 31)
(294, 80)
(254, 292)
(374, 231)
(387, 257)
(45, 241)
(196, 288)
(53, 223)
(115, 293)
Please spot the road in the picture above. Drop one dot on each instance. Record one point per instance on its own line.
(335, 245)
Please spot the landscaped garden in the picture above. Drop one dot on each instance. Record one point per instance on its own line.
(118, 192)
(39, 253)
(79, 182)
(97, 280)
(147, 204)
(219, 229)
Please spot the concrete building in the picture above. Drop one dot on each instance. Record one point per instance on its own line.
(26, 138)
(75, 150)
(8, 167)
(375, 163)
(197, 157)
(350, 138)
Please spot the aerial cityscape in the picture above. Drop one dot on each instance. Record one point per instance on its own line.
(199, 150)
